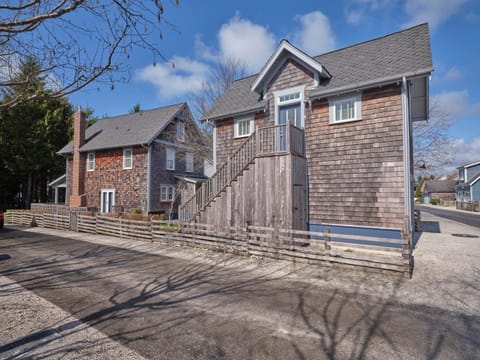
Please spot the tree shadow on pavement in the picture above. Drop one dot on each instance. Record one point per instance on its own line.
(164, 307)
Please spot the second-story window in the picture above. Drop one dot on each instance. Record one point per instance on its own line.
(180, 131)
(127, 158)
(289, 106)
(90, 161)
(345, 109)
(243, 126)
(189, 162)
(170, 160)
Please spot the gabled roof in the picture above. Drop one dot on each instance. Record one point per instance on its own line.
(466, 166)
(127, 130)
(383, 60)
(236, 100)
(283, 52)
(474, 179)
(439, 186)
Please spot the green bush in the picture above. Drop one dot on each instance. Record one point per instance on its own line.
(435, 201)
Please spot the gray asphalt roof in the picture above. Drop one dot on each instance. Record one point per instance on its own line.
(126, 130)
(440, 186)
(384, 59)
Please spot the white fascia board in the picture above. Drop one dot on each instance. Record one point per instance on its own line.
(286, 46)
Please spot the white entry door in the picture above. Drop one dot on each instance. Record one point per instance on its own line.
(107, 200)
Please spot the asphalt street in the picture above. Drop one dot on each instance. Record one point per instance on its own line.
(472, 219)
(170, 308)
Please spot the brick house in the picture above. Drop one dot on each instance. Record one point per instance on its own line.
(133, 161)
(320, 140)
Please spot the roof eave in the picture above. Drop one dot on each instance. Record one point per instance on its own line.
(320, 93)
(237, 113)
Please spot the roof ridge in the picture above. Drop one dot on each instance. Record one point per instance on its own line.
(371, 40)
(143, 111)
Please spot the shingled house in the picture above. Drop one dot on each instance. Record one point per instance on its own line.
(438, 189)
(310, 141)
(132, 161)
(468, 188)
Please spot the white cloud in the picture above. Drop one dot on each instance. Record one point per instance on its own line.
(203, 51)
(315, 35)
(247, 42)
(357, 10)
(435, 12)
(455, 104)
(187, 76)
(467, 151)
(453, 74)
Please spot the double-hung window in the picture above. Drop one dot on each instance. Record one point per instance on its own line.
(289, 107)
(180, 131)
(166, 192)
(189, 162)
(170, 159)
(345, 109)
(127, 158)
(243, 126)
(90, 161)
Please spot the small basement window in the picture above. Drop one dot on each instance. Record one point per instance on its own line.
(346, 109)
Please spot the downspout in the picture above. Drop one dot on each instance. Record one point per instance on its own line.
(408, 206)
(149, 162)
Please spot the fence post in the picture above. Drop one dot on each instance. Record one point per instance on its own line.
(326, 238)
(248, 237)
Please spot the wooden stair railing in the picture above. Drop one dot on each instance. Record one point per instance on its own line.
(270, 140)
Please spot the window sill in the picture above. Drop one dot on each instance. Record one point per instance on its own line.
(241, 136)
(344, 122)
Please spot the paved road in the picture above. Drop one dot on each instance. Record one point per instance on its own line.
(472, 219)
(169, 308)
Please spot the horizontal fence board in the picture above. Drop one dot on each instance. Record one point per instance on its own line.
(296, 245)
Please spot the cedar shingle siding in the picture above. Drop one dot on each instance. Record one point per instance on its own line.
(355, 169)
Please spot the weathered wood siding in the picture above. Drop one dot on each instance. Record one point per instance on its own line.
(355, 169)
(262, 196)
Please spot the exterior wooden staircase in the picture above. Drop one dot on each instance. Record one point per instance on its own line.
(264, 141)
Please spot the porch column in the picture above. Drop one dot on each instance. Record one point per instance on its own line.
(56, 195)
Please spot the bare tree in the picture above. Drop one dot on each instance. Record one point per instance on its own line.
(221, 76)
(77, 42)
(432, 145)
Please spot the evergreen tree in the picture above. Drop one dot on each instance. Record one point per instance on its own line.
(30, 136)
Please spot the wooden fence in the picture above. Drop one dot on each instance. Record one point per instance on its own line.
(469, 205)
(294, 245)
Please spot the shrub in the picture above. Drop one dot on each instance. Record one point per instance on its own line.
(435, 201)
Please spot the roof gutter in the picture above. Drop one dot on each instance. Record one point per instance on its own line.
(319, 94)
(239, 113)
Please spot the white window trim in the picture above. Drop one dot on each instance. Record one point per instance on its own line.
(166, 187)
(167, 152)
(131, 158)
(332, 102)
(180, 125)
(297, 89)
(102, 191)
(237, 121)
(189, 156)
(92, 167)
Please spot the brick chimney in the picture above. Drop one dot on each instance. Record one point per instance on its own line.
(77, 194)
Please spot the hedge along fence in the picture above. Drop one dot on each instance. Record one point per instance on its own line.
(293, 245)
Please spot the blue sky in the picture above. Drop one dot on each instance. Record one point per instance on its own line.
(250, 30)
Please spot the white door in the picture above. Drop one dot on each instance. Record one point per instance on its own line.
(107, 200)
